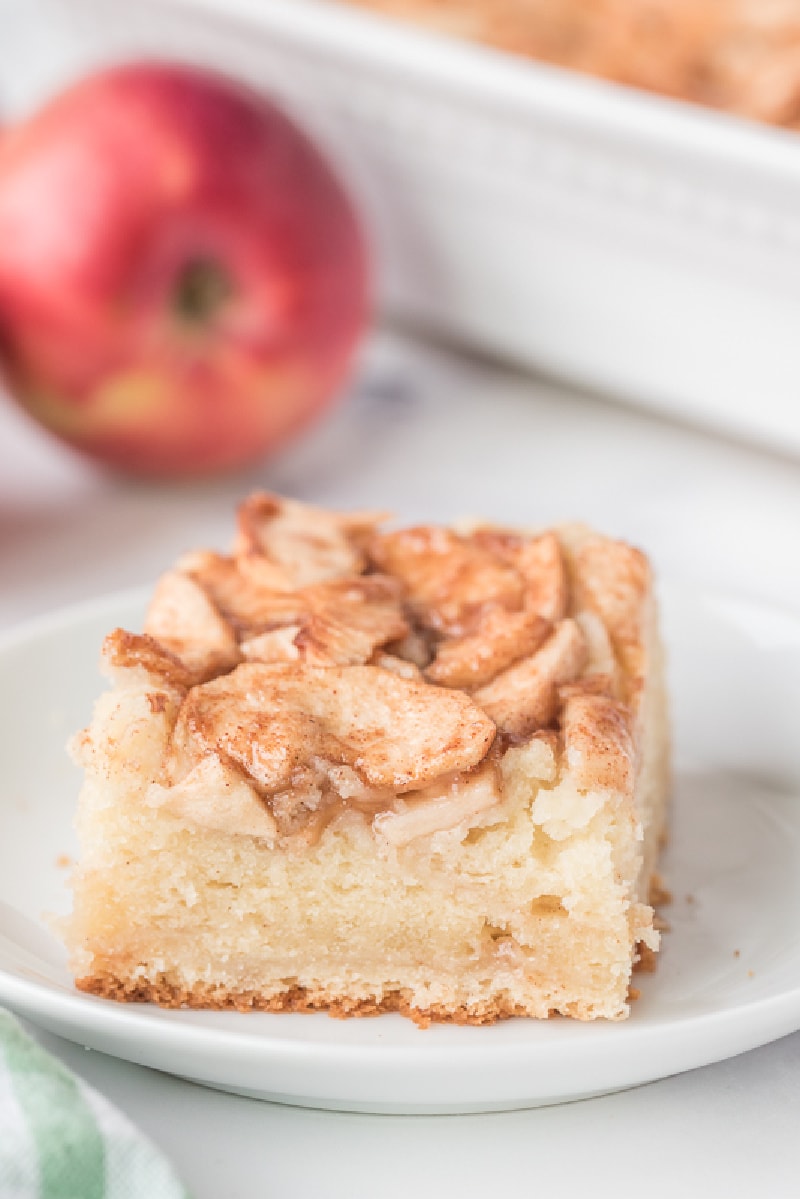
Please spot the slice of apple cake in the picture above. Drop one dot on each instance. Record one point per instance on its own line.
(363, 770)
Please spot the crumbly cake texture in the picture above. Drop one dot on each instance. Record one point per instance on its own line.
(361, 769)
(740, 56)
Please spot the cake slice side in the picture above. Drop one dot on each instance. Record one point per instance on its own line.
(313, 831)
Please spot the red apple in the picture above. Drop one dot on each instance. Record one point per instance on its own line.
(182, 278)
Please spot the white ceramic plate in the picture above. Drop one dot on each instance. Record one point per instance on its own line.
(729, 976)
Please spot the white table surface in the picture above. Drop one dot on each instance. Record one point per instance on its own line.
(435, 436)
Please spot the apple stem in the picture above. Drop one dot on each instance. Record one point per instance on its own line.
(201, 289)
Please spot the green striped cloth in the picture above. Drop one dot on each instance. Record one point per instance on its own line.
(59, 1139)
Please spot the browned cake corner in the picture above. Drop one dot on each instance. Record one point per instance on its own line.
(345, 768)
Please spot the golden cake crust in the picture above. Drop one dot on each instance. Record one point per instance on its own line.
(301, 1000)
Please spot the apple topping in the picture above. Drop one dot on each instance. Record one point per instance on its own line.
(449, 579)
(310, 544)
(278, 645)
(216, 795)
(325, 665)
(524, 698)
(337, 622)
(348, 619)
(251, 597)
(440, 807)
(416, 647)
(500, 639)
(182, 618)
(613, 579)
(145, 659)
(602, 663)
(540, 562)
(272, 720)
(598, 744)
(402, 666)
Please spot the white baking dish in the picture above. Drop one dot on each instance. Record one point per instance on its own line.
(641, 247)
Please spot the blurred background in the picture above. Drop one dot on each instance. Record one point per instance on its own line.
(548, 294)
